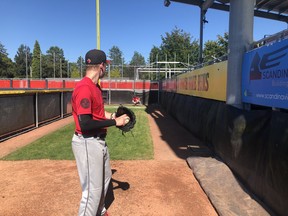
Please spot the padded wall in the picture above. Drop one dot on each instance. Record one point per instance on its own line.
(49, 106)
(67, 106)
(254, 144)
(125, 97)
(17, 113)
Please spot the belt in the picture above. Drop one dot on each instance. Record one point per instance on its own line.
(101, 135)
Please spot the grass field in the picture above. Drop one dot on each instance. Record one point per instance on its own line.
(135, 145)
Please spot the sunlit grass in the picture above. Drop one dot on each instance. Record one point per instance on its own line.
(57, 145)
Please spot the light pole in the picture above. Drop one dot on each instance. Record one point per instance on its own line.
(60, 61)
(98, 23)
(81, 66)
(122, 67)
(54, 64)
(26, 65)
(68, 69)
(40, 75)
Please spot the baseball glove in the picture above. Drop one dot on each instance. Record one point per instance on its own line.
(132, 118)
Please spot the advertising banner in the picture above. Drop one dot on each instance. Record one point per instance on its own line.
(207, 82)
(265, 75)
(169, 85)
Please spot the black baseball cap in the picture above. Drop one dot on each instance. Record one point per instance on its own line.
(95, 56)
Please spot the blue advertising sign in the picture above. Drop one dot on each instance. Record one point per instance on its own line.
(265, 75)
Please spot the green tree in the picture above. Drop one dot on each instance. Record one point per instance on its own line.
(116, 55)
(193, 57)
(213, 50)
(137, 59)
(23, 60)
(47, 66)
(223, 44)
(3, 50)
(63, 67)
(118, 63)
(210, 50)
(74, 71)
(35, 68)
(154, 54)
(114, 73)
(57, 65)
(178, 46)
(81, 66)
(130, 72)
(7, 67)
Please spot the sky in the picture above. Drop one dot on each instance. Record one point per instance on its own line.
(131, 25)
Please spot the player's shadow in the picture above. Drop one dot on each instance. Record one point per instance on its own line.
(110, 193)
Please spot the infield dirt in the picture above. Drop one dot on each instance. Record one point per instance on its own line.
(164, 186)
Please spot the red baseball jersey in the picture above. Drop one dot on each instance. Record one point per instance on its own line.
(87, 99)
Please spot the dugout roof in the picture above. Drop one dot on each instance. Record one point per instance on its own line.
(270, 9)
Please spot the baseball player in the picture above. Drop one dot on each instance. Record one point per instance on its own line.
(88, 142)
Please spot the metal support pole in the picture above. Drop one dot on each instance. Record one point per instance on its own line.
(68, 69)
(81, 66)
(26, 65)
(174, 63)
(62, 104)
(240, 38)
(202, 13)
(137, 73)
(60, 62)
(166, 65)
(36, 110)
(122, 72)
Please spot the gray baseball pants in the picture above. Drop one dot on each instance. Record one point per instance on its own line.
(93, 165)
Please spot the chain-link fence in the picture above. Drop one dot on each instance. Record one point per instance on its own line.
(154, 71)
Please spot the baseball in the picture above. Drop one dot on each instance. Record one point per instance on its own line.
(127, 120)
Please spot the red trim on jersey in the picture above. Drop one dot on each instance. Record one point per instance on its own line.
(87, 99)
